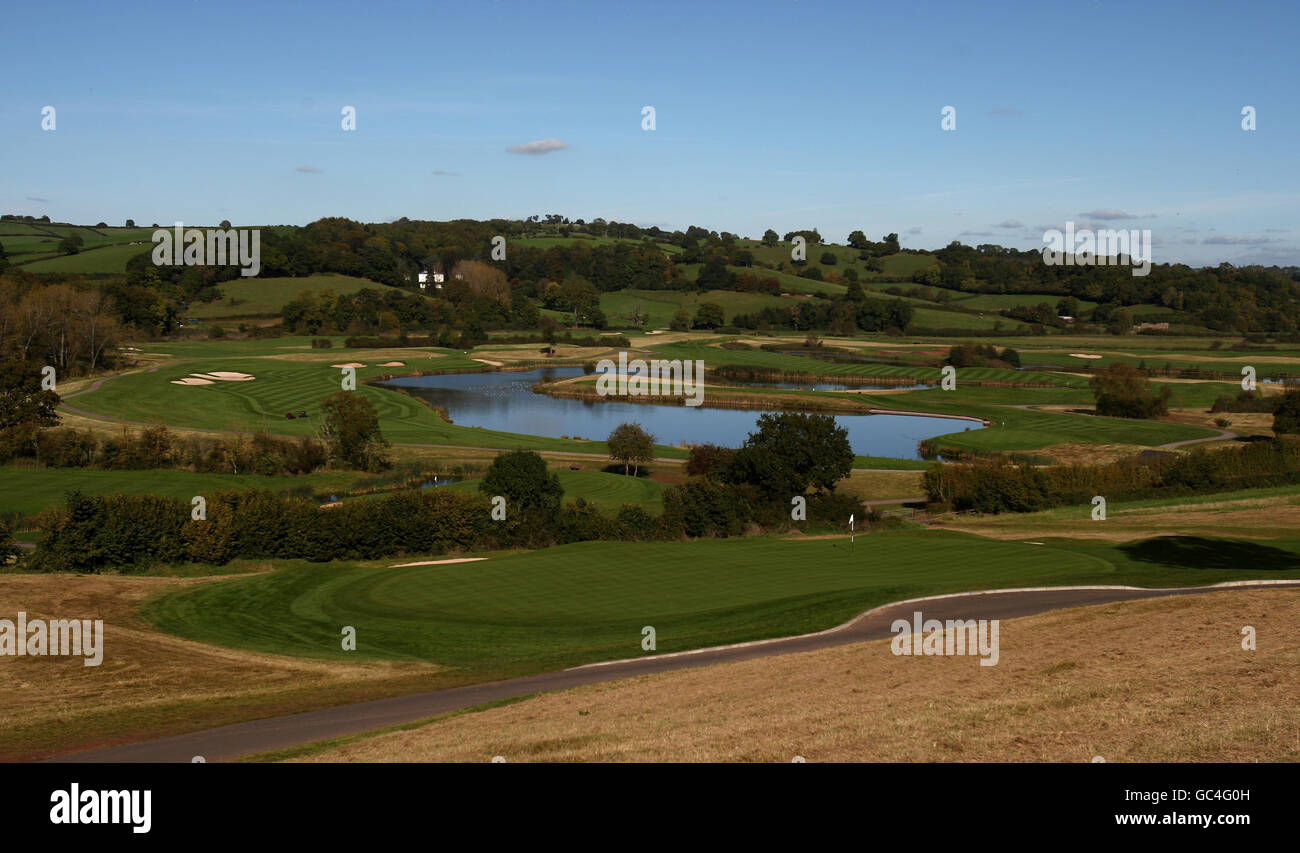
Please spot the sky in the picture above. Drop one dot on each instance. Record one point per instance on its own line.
(785, 115)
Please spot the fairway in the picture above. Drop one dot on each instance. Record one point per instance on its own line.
(589, 601)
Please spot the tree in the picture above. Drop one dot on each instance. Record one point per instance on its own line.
(858, 240)
(522, 478)
(579, 296)
(714, 275)
(1286, 414)
(681, 320)
(1121, 322)
(709, 316)
(225, 223)
(631, 445)
(708, 460)
(1122, 391)
(828, 259)
(770, 237)
(790, 452)
(7, 548)
(71, 244)
(351, 426)
(130, 223)
(25, 408)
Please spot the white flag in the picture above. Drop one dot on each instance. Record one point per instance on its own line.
(850, 521)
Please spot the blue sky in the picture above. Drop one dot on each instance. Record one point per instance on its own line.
(785, 115)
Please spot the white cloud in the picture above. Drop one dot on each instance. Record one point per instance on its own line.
(538, 146)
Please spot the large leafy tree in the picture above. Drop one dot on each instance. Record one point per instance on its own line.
(351, 426)
(791, 452)
(1286, 415)
(25, 408)
(631, 445)
(1122, 391)
(709, 316)
(522, 478)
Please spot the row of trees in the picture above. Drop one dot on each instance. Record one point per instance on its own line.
(1225, 297)
(786, 456)
(996, 486)
(72, 329)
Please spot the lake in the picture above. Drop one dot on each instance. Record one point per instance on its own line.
(505, 401)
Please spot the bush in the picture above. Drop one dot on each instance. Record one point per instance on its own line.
(708, 460)
(704, 508)
(66, 447)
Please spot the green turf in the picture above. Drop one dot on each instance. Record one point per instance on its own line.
(589, 601)
(29, 490)
(109, 259)
(262, 297)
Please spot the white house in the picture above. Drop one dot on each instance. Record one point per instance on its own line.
(424, 280)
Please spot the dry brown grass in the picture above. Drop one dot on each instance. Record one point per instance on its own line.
(1158, 680)
(1089, 454)
(882, 485)
(1242, 423)
(49, 704)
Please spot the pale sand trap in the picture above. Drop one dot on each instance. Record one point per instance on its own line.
(438, 562)
(393, 364)
(489, 361)
(219, 377)
(192, 380)
(1083, 355)
(349, 364)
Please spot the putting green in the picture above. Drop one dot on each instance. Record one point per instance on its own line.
(589, 601)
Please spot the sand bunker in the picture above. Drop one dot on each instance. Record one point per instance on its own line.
(393, 364)
(226, 375)
(438, 562)
(349, 364)
(1083, 355)
(192, 380)
(489, 361)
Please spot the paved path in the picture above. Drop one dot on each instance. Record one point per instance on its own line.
(232, 741)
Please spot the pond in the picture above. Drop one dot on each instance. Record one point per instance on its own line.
(505, 401)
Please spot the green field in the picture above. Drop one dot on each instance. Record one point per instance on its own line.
(30, 490)
(109, 259)
(589, 601)
(264, 297)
